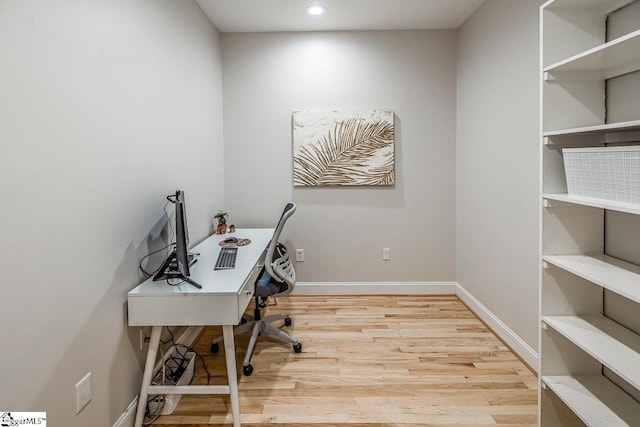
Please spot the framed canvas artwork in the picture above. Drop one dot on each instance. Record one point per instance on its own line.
(343, 148)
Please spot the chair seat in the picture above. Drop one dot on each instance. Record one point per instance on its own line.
(267, 286)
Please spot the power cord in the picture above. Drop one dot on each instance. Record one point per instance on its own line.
(170, 199)
(171, 372)
(188, 349)
(146, 273)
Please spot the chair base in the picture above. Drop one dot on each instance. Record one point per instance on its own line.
(257, 327)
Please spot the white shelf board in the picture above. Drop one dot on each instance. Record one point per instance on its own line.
(605, 6)
(609, 343)
(610, 59)
(595, 400)
(605, 128)
(611, 273)
(595, 203)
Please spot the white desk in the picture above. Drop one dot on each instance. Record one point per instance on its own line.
(224, 297)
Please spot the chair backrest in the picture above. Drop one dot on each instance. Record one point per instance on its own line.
(277, 262)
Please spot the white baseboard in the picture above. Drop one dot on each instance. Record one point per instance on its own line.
(528, 354)
(378, 288)
(128, 417)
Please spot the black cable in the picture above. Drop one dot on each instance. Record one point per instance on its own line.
(189, 350)
(147, 256)
(175, 284)
(171, 240)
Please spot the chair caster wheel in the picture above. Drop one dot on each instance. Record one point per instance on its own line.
(215, 347)
(287, 321)
(247, 370)
(297, 348)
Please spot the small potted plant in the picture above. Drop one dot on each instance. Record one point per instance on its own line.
(232, 228)
(221, 216)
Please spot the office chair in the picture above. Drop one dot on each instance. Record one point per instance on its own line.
(277, 279)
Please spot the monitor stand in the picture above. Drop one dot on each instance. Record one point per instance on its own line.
(169, 270)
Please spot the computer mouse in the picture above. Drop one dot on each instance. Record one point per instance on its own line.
(231, 240)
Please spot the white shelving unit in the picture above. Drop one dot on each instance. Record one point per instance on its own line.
(590, 87)
(548, 200)
(612, 345)
(596, 401)
(602, 62)
(608, 272)
(596, 129)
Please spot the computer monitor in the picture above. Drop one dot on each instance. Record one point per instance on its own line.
(177, 265)
(182, 234)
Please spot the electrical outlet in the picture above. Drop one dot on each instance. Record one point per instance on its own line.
(145, 336)
(386, 254)
(300, 255)
(83, 393)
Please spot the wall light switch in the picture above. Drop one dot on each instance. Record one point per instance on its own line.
(300, 255)
(83, 393)
(386, 254)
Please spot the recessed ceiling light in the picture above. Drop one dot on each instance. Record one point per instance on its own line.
(316, 10)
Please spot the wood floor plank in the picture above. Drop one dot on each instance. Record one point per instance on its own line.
(370, 361)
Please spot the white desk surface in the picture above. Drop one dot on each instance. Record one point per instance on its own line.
(224, 294)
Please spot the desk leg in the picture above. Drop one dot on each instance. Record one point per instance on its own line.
(230, 354)
(148, 372)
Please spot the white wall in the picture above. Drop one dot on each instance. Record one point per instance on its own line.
(105, 108)
(497, 162)
(343, 230)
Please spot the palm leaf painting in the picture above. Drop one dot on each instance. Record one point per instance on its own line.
(336, 148)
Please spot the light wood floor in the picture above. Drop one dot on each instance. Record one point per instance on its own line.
(371, 361)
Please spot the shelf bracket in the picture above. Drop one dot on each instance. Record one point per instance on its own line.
(572, 140)
(573, 76)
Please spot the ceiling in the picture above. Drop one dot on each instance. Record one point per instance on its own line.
(231, 16)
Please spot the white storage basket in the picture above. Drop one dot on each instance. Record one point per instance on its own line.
(171, 400)
(607, 173)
